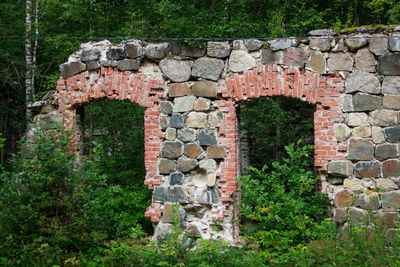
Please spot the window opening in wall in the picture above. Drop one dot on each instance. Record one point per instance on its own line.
(114, 132)
(280, 200)
(267, 125)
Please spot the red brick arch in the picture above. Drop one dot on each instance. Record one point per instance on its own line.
(120, 85)
(274, 80)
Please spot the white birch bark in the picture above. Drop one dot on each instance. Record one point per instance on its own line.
(28, 58)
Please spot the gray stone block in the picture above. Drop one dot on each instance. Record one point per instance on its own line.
(171, 149)
(176, 121)
(366, 102)
(69, 69)
(176, 70)
(207, 138)
(392, 134)
(361, 149)
(115, 53)
(343, 168)
(218, 49)
(156, 51)
(207, 68)
(386, 151)
(128, 64)
(174, 194)
(360, 81)
(389, 64)
(368, 169)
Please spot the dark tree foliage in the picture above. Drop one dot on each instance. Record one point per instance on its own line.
(272, 124)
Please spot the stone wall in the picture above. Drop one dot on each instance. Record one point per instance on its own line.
(191, 131)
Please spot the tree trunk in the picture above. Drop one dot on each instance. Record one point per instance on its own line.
(34, 49)
(28, 58)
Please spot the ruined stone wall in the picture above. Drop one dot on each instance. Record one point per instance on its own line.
(191, 132)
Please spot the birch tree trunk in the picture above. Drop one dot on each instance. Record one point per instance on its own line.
(28, 58)
(35, 45)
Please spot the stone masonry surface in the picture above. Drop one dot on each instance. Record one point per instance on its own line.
(191, 130)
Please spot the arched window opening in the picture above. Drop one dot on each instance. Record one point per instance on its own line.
(113, 131)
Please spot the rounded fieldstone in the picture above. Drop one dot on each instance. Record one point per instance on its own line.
(386, 184)
(294, 57)
(166, 107)
(391, 85)
(202, 104)
(218, 49)
(207, 138)
(357, 119)
(207, 68)
(204, 89)
(171, 149)
(176, 121)
(389, 64)
(343, 168)
(340, 62)
(391, 168)
(377, 135)
(186, 164)
(157, 51)
(215, 119)
(357, 215)
(391, 101)
(365, 102)
(166, 166)
(69, 69)
(210, 197)
(192, 150)
(176, 178)
(341, 132)
(175, 194)
(164, 121)
(134, 49)
(365, 60)
(252, 44)
(170, 134)
(281, 44)
(340, 215)
(379, 46)
(196, 120)
(316, 62)
(271, 57)
(322, 32)
(187, 134)
(366, 169)
(128, 64)
(92, 65)
(385, 151)
(320, 44)
(90, 54)
(361, 149)
(209, 165)
(216, 152)
(368, 202)
(391, 200)
(184, 103)
(394, 43)
(115, 53)
(362, 131)
(343, 199)
(393, 134)
(365, 82)
(384, 117)
(179, 89)
(355, 42)
(240, 60)
(176, 70)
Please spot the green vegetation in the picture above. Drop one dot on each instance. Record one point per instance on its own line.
(56, 211)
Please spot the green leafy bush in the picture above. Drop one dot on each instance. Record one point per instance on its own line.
(281, 207)
(53, 204)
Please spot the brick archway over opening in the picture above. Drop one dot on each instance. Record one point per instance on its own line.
(267, 80)
(110, 83)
